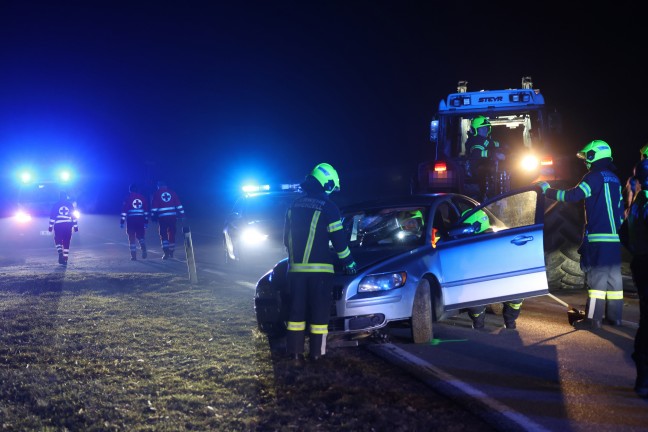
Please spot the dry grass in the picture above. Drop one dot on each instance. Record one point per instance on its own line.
(124, 352)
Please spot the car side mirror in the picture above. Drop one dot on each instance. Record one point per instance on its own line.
(462, 230)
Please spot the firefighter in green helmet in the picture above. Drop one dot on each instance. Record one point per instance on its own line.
(511, 310)
(484, 155)
(633, 186)
(600, 250)
(312, 221)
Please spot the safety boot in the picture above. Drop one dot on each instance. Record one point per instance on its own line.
(166, 255)
(61, 260)
(144, 254)
(133, 256)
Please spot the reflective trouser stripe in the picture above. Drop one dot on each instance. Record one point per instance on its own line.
(596, 294)
(296, 326)
(614, 295)
(516, 305)
(319, 329)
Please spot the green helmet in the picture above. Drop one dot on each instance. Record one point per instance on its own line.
(479, 217)
(327, 177)
(644, 152)
(478, 122)
(595, 150)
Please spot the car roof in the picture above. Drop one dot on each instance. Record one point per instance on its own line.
(403, 200)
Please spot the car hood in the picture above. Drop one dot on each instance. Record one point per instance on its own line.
(366, 257)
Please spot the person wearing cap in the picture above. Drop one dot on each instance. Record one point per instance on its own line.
(600, 250)
(312, 222)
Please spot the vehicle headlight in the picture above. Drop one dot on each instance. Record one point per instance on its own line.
(22, 217)
(382, 282)
(530, 163)
(252, 235)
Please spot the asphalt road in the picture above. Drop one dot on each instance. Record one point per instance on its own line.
(544, 376)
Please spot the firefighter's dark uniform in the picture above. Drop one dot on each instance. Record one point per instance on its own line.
(601, 248)
(637, 244)
(62, 221)
(510, 313)
(482, 158)
(311, 221)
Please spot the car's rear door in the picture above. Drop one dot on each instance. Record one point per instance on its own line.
(506, 263)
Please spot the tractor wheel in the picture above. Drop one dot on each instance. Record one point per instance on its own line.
(562, 236)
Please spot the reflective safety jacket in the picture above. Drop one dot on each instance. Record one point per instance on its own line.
(311, 222)
(601, 190)
(166, 204)
(63, 213)
(135, 207)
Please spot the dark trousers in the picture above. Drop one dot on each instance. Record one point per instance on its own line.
(168, 232)
(62, 237)
(510, 313)
(310, 295)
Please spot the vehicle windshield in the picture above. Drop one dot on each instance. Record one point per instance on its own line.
(386, 227)
(267, 207)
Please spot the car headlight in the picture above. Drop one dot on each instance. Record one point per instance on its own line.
(382, 282)
(252, 235)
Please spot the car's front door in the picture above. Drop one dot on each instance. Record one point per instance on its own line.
(502, 262)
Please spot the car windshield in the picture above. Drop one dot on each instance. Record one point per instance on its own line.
(386, 227)
(268, 207)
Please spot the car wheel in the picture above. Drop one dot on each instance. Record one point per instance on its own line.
(422, 314)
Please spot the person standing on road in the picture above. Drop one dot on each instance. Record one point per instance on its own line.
(135, 213)
(511, 309)
(636, 241)
(600, 250)
(311, 222)
(167, 210)
(63, 221)
(484, 155)
(632, 186)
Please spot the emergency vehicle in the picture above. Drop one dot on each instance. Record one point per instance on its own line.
(530, 135)
(254, 227)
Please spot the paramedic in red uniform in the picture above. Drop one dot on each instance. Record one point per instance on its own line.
(135, 212)
(62, 221)
(166, 209)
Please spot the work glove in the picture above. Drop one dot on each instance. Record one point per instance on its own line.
(49, 229)
(351, 269)
(121, 226)
(76, 229)
(543, 185)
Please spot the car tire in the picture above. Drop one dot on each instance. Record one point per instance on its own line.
(421, 320)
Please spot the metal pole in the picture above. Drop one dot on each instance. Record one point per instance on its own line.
(191, 262)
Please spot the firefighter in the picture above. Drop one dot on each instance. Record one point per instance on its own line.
(312, 221)
(636, 241)
(167, 210)
(633, 186)
(600, 251)
(135, 213)
(484, 155)
(63, 221)
(511, 310)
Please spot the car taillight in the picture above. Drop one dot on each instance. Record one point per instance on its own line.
(440, 166)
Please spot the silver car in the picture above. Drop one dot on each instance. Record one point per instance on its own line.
(420, 262)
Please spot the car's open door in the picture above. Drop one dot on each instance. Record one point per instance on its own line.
(501, 263)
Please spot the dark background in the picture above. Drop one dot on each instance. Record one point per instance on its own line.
(207, 94)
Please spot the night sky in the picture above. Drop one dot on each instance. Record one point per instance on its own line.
(208, 94)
